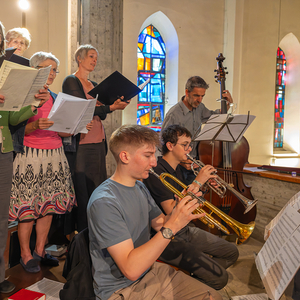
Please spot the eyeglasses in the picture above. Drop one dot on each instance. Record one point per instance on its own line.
(17, 42)
(52, 70)
(186, 146)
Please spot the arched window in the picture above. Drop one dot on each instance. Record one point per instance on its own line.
(151, 60)
(279, 98)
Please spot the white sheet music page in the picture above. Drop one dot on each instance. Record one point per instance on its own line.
(15, 83)
(294, 202)
(49, 287)
(279, 258)
(251, 297)
(38, 83)
(233, 127)
(86, 117)
(69, 112)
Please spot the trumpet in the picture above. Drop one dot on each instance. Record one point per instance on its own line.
(243, 231)
(223, 186)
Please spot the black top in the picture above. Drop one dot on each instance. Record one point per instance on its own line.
(158, 190)
(72, 86)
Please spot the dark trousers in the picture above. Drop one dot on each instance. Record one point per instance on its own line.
(296, 291)
(6, 169)
(204, 255)
(90, 172)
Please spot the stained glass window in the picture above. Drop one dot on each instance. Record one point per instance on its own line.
(279, 98)
(151, 60)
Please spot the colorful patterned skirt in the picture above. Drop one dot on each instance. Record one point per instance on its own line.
(41, 185)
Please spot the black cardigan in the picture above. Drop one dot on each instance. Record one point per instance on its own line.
(72, 86)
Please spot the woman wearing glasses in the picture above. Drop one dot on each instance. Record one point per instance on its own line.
(18, 38)
(42, 184)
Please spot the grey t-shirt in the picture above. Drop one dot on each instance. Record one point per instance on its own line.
(190, 119)
(117, 213)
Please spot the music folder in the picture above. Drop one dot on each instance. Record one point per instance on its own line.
(115, 86)
(8, 53)
(19, 60)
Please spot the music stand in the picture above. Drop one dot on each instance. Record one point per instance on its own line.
(225, 128)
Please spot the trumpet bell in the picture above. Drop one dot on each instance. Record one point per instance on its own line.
(244, 232)
(250, 205)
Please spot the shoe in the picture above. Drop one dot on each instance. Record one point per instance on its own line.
(48, 259)
(6, 287)
(32, 265)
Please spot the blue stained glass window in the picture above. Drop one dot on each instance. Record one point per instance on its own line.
(279, 98)
(151, 59)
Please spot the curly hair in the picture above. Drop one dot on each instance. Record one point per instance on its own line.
(171, 134)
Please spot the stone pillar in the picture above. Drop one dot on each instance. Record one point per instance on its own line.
(102, 27)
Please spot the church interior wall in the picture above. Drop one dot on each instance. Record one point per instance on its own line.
(258, 28)
(264, 25)
(199, 27)
(47, 22)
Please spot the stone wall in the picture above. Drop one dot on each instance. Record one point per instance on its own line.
(272, 195)
(102, 26)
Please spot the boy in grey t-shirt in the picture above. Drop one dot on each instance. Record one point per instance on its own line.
(120, 214)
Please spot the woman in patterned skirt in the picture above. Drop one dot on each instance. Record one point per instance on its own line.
(6, 161)
(42, 184)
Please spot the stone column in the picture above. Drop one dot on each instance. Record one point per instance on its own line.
(102, 27)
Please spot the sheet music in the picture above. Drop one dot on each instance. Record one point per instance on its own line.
(279, 259)
(86, 118)
(294, 202)
(19, 84)
(15, 88)
(226, 128)
(251, 297)
(7, 66)
(38, 83)
(49, 287)
(71, 114)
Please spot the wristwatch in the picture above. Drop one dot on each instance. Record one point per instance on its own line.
(167, 233)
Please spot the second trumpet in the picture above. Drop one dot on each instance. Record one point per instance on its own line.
(223, 186)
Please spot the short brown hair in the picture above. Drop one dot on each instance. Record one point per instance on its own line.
(131, 135)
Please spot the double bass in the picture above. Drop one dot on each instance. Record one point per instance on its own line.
(229, 159)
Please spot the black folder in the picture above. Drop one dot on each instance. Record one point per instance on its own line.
(19, 60)
(8, 53)
(113, 87)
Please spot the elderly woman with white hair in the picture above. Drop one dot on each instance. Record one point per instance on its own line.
(42, 184)
(18, 38)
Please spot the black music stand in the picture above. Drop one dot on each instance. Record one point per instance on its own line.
(225, 128)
